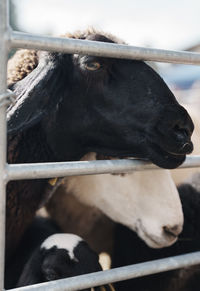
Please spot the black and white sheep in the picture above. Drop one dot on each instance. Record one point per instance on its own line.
(59, 256)
(45, 255)
(70, 105)
(129, 249)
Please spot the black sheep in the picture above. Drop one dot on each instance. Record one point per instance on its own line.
(129, 249)
(72, 104)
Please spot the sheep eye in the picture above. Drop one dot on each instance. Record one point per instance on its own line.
(93, 66)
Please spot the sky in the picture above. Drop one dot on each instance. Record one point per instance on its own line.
(168, 24)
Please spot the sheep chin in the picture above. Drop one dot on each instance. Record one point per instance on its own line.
(158, 243)
(154, 241)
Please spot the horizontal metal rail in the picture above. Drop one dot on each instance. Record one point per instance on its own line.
(67, 45)
(117, 274)
(50, 170)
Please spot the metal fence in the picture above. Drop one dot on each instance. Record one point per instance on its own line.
(11, 39)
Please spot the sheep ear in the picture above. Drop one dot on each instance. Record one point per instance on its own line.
(37, 92)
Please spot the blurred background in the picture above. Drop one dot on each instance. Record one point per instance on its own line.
(168, 24)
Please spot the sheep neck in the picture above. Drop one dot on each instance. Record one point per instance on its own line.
(25, 197)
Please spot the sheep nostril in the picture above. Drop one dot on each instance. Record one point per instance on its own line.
(174, 230)
(182, 136)
(187, 147)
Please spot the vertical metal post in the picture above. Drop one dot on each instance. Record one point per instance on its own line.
(4, 32)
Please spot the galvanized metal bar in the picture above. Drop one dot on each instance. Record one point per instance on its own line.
(118, 274)
(3, 86)
(49, 170)
(67, 45)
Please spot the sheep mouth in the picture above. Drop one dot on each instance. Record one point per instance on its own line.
(154, 241)
(163, 158)
(159, 242)
(149, 152)
(157, 156)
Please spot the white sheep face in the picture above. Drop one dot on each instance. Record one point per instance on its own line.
(147, 202)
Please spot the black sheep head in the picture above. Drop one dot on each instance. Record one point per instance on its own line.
(111, 106)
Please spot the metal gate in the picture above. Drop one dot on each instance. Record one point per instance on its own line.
(11, 39)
